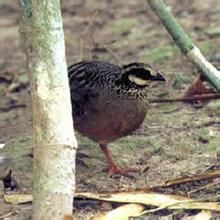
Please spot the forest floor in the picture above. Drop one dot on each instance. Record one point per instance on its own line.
(176, 139)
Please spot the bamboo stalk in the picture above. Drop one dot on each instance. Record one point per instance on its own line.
(188, 48)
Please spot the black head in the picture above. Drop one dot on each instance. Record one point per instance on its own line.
(141, 74)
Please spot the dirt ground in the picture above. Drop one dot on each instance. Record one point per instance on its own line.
(176, 139)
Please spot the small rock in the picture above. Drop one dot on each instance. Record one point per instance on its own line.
(213, 32)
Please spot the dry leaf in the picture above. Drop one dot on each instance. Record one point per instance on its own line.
(146, 198)
(154, 199)
(204, 215)
(18, 198)
(122, 212)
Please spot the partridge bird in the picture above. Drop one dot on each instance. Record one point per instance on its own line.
(109, 101)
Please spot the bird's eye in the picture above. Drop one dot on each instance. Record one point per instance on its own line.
(142, 73)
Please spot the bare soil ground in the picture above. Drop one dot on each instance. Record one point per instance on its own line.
(176, 139)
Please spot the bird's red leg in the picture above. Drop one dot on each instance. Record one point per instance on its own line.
(112, 166)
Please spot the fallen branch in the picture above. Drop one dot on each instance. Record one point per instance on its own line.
(190, 99)
(204, 176)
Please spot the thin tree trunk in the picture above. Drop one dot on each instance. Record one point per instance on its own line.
(210, 73)
(53, 136)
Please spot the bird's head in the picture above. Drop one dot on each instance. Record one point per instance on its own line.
(140, 74)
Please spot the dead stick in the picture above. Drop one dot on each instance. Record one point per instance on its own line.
(194, 98)
(204, 176)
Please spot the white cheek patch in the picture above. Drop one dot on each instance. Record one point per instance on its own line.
(137, 80)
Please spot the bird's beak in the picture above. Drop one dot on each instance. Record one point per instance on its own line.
(158, 77)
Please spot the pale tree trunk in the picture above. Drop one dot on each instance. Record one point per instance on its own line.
(53, 136)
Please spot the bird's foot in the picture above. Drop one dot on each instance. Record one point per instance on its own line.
(115, 170)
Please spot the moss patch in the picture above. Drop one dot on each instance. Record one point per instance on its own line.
(160, 55)
(124, 25)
